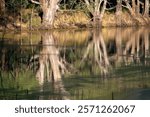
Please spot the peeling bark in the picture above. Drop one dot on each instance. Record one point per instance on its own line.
(49, 8)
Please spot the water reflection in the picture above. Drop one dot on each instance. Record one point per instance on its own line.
(51, 65)
(99, 51)
(136, 47)
(76, 64)
(53, 91)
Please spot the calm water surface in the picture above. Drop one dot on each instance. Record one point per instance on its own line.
(112, 63)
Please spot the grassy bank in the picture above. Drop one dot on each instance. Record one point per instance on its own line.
(30, 20)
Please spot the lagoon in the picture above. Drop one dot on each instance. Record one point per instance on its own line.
(87, 64)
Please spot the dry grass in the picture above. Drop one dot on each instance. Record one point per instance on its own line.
(75, 19)
(71, 19)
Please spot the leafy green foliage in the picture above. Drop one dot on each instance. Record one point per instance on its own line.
(16, 5)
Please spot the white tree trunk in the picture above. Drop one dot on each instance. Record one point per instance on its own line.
(133, 5)
(118, 12)
(138, 7)
(97, 9)
(49, 8)
(147, 4)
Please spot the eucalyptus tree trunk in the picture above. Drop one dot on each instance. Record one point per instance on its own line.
(49, 8)
(132, 12)
(133, 5)
(147, 4)
(138, 7)
(2, 6)
(97, 9)
(129, 7)
(118, 12)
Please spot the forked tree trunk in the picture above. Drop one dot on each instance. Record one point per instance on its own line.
(129, 7)
(100, 51)
(132, 13)
(49, 8)
(97, 20)
(118, 12)
(136, 6)
(97, 9)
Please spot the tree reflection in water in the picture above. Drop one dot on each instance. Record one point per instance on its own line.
(51, 64)
(136, 47)
(130, 46)
(98, 47)
(126, 50)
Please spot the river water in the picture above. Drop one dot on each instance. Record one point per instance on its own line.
(112, 63)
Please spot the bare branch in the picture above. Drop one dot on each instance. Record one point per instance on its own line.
(90, 8)
(35, 2)
(124, 6)
(141, 3)
(103, 8)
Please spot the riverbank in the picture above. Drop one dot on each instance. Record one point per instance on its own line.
(69, 20)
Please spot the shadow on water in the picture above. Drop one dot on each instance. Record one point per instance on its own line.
(77, 64)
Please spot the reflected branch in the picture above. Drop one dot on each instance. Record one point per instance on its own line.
(51, 64)
(50, 60)
(98, 47)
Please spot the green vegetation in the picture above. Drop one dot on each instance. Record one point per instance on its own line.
(25, 15)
